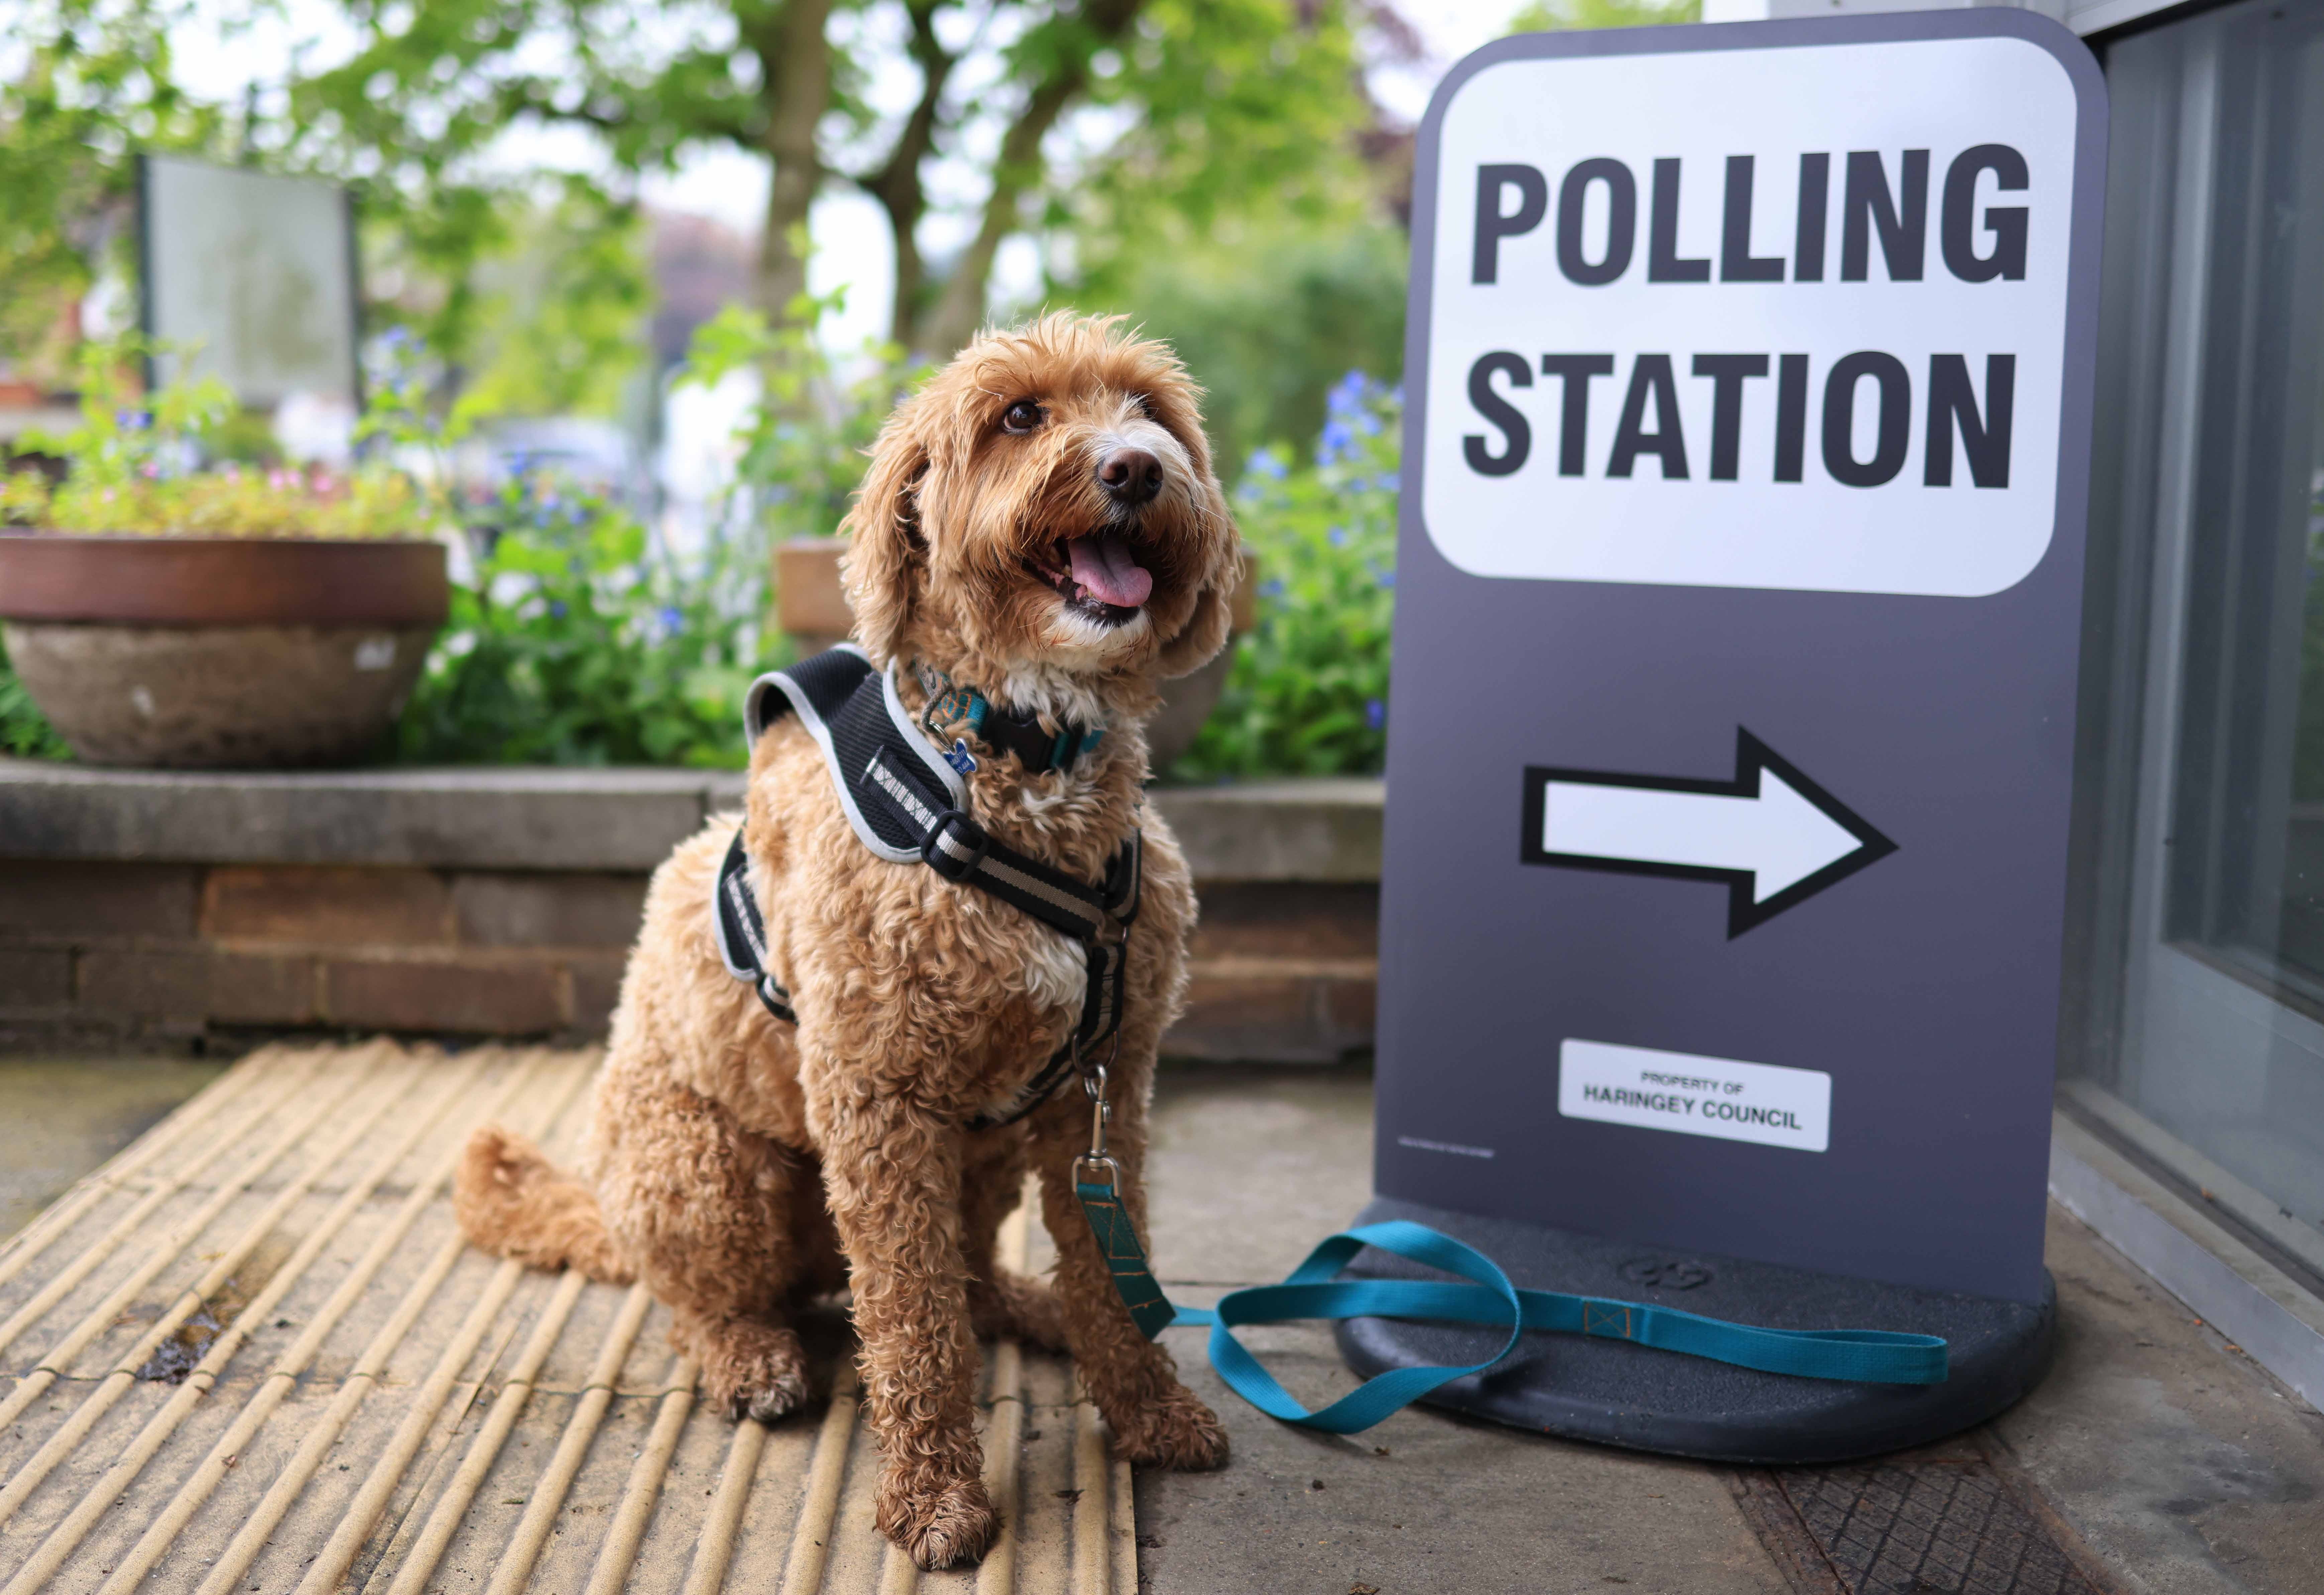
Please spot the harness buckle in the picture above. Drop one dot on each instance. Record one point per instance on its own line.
(956, 858)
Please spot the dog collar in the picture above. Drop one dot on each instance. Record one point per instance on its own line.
(1004, 731)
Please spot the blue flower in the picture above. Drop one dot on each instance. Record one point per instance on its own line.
(1338, 440)
(1265, 462)
(1375, 713)
(671, 621)
(1389, 482)
(556, 608)
(1271, 588)
(1347, 396)
(1387, 578)
(1339, 536)
(132, 421)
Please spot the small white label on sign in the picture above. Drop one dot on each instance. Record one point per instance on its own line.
(1694, 1095)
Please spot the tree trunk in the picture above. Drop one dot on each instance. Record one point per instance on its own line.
(795, 68)
(898, 185)
(959, 309)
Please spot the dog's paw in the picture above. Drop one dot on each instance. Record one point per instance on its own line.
(755, 1370)
(1014, 1306)
(1176, 1431)
(938, 1525)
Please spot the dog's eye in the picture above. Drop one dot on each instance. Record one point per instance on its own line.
(1020, 416)
(1144, 406)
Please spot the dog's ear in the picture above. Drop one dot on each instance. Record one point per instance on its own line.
(1197, 641)
(886, 549)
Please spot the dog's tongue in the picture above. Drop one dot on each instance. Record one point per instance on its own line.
(1102, 565)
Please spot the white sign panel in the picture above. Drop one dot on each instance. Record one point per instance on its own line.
(1691, 1095)
(1774, 319)
(252, 276)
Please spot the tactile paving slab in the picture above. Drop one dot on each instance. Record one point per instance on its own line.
(253, 1353)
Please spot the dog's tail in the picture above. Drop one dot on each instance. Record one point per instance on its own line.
(514, 1203)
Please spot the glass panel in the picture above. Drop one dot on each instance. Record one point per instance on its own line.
(2203, 860)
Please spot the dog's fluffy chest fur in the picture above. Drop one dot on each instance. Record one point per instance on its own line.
(888, 962)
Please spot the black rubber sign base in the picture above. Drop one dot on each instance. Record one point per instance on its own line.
(1636, 1396)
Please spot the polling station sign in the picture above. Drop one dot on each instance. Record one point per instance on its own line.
(1748, 380)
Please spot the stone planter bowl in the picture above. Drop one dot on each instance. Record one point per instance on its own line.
(811, 608)
(186, 653)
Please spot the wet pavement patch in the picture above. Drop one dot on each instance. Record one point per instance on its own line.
(1942, 1522)
(182, 1353)
(177, 1357)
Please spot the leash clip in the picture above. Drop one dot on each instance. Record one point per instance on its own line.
(1094, 1085)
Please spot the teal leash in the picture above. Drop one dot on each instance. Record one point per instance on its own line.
(1313, 1290)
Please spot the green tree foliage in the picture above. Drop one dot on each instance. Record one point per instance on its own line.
(1542, 16)
(1264, 317)
(94, 85)
(1237, 217)
(558, 316)
(434, 82)
(804, 450)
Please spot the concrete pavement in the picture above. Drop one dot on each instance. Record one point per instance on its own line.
(2158, 1459)
(2155, 1460)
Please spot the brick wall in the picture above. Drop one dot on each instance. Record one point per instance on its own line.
(90, 951)
(144, 907)
(98, 952)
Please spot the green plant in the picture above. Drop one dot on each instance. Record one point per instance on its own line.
(570, 643)
(571, 640)
(1308, 692)
(803, 450)
(24, 731)
(130, 470)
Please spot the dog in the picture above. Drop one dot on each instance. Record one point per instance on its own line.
(1040, 521)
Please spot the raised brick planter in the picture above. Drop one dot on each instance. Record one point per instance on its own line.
(140, 906)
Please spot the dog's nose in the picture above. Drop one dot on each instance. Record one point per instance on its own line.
(1129, 476)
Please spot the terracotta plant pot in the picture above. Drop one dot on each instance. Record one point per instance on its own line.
(811, 609)
(218, 652)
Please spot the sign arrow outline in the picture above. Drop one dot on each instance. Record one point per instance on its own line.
(1753, 758)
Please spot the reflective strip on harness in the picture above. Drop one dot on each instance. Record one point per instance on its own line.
(741, 933)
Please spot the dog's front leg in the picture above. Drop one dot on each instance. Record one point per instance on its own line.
(892, 1172)
(1155, 1420)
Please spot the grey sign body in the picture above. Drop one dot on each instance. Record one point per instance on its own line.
(1726, 866)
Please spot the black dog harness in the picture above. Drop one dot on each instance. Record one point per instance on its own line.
(908, 803)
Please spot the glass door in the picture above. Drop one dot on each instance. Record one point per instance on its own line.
(2199, 1034)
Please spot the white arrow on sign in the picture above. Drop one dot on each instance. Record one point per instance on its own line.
(1773, 836)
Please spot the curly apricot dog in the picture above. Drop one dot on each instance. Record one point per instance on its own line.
(1039, 522)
